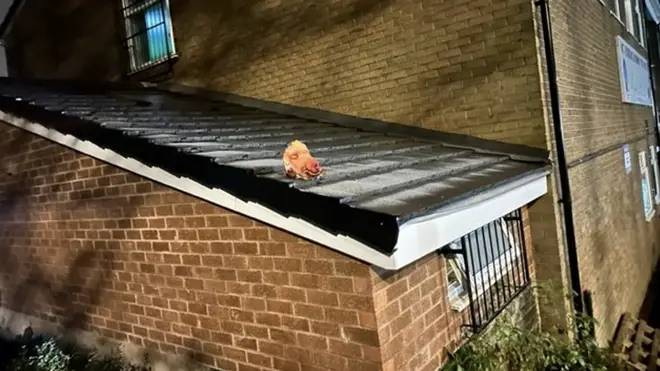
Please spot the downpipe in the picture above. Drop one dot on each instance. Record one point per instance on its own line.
(561, 164)
(650, 59)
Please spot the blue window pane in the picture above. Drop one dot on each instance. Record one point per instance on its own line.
(157, 28)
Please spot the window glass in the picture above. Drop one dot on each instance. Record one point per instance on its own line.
(149, 36)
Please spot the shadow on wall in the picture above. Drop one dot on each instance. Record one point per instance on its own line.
(66, 243)
(229, 37)
(49, 265)
(66, 39)
(39, 205)
(71, 43)
(383, 59)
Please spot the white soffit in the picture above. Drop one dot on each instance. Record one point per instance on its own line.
(417, 238)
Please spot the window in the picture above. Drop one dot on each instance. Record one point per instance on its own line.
(629, 12)
(656, 173)
(638, 22)
(149, 37)
(487, 268)
(649, 210)
(617, 7)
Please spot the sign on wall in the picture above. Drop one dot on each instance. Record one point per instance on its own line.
(633, 74)
(627, 163)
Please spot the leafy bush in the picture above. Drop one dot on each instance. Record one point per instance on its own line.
(508, 347)
(50, 354)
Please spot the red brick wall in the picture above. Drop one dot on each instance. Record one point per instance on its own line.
(92, 247)
(415, 322)
(89, 245)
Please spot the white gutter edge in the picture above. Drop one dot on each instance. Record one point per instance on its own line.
(416, 238)
(424, 235)
(653, 7)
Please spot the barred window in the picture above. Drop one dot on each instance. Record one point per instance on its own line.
(487, 269)
(653, 150)
(647, 197)
(148, 27)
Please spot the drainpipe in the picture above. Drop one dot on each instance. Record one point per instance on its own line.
(562, 168)
(651, 74)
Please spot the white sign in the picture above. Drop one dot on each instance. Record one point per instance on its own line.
(634, 75)
(627, 163)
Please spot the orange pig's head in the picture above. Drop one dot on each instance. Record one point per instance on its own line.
(299, 163)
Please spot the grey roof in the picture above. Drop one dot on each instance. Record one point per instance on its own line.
(402, 174)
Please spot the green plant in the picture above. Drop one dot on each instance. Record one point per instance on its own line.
(44, 356)
(506, 346)
(50, 357)
(50, 354)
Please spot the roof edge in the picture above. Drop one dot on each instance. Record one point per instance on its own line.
(514, 151)
(13, 10)
(375, 229)
(302, 228)
(426, 234)
(78, 85)
(416, 238)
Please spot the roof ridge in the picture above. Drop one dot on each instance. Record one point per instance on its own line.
(516, 152)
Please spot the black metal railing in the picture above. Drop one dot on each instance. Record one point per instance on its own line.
(147, 37)
(493, 266)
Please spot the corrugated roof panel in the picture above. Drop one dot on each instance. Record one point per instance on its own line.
(380, 171)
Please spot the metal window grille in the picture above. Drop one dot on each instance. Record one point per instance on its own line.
(647, 198)
(148, 33)
(656, 173)
(493, 268)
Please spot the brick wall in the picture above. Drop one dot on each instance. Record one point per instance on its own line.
(616, 246)
(68, 38)
(91, 247)
(461, 66)
(88, 245)
(464, 66)
(415, 325)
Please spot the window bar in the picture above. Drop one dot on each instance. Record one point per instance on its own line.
(512, 221)
(146, 30)
(514, 254)
(495, 252)
(483, 307)
(508, 256)
(166, 27)
(522, 244)
(511, 255)
(483, 260)
(464, 255)
(476, 301)
(127, 5)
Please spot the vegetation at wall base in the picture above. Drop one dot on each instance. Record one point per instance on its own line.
(42, 353)
(507, 347)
